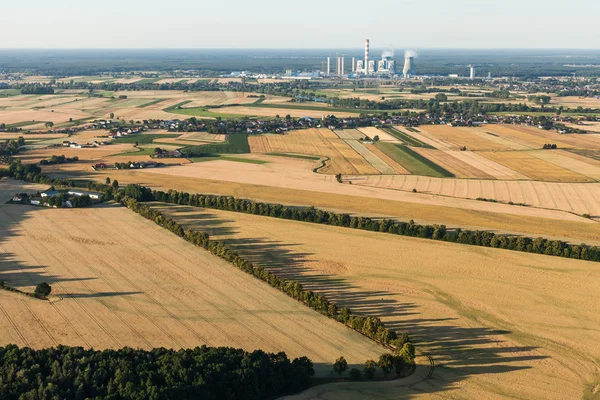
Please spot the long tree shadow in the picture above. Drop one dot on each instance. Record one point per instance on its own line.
(13, 271)
(458, 351)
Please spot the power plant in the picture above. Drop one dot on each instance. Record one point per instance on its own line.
(471, 71)
(409, 63)
(369, 66)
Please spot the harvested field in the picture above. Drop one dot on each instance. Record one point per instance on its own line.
(570, 161)
(453, 138)
(433, 142)
(321, 142)
(579, 198)
(383, 135)
(120, 280)
(459, 168)
(579, 141)
(498, 323)
(535, 168)
(350, 134)
(413, 162)
(397, 168)
(485, 165)
(379, 164)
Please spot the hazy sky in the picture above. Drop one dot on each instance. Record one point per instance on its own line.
(300, 24)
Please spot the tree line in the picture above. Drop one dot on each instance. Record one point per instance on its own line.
(538, 245)
(370, 326)
(71, 373)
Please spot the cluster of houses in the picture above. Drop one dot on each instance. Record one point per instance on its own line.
(127, 165)
(75, 145)
(42, 199)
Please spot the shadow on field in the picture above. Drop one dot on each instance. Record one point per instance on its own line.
(97, 295)
(25, 276)
(459, 352)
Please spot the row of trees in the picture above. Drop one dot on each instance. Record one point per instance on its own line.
(59, 160)
(11, 147)
(200, 373)
(369, 326)
(436, 232)
(36, 89)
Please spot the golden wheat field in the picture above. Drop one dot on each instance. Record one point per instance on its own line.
(455, 138)
(497, 323)
(446, 160)
(120, 280)
(534, 167)
(579, 198)
(320, 142)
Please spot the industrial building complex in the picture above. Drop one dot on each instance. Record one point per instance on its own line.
(386, 66)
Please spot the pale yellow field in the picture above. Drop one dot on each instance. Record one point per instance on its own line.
(350, 134)
(498, 323)
(433, 142)
(459, 168)
(383, 135)
(120, 280)
(485, 165)
(535, 168)
(581, 165)
(526, 137)
(454, 138)
(580, 141)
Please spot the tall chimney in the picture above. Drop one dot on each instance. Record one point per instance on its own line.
(366, 56)
(339, 65)
(328, 66)
(343, 58)
(353, 64)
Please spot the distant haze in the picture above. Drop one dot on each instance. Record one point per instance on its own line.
(304, 24)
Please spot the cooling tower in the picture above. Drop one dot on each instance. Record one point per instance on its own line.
(408, 66)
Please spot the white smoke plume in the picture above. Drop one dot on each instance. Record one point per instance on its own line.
(411, 53)
(388, 53)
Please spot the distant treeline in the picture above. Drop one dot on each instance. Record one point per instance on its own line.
(369, 326)
(436, 232)
(200, 373)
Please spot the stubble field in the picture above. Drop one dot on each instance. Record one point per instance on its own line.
(498, 323)
(120, 280)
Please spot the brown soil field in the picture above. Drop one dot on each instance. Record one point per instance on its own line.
(302, 188)
(454, 138)
(535, 168)
(485, 165)
(498, 323)
(120, 280)
(459, 168)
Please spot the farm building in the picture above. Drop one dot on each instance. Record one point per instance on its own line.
(93, 195)
(50, 193)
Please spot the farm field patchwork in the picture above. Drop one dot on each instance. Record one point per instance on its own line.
(413, 162)
(526, 329)
(171, 294)
(457, 167)
(321, 142)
